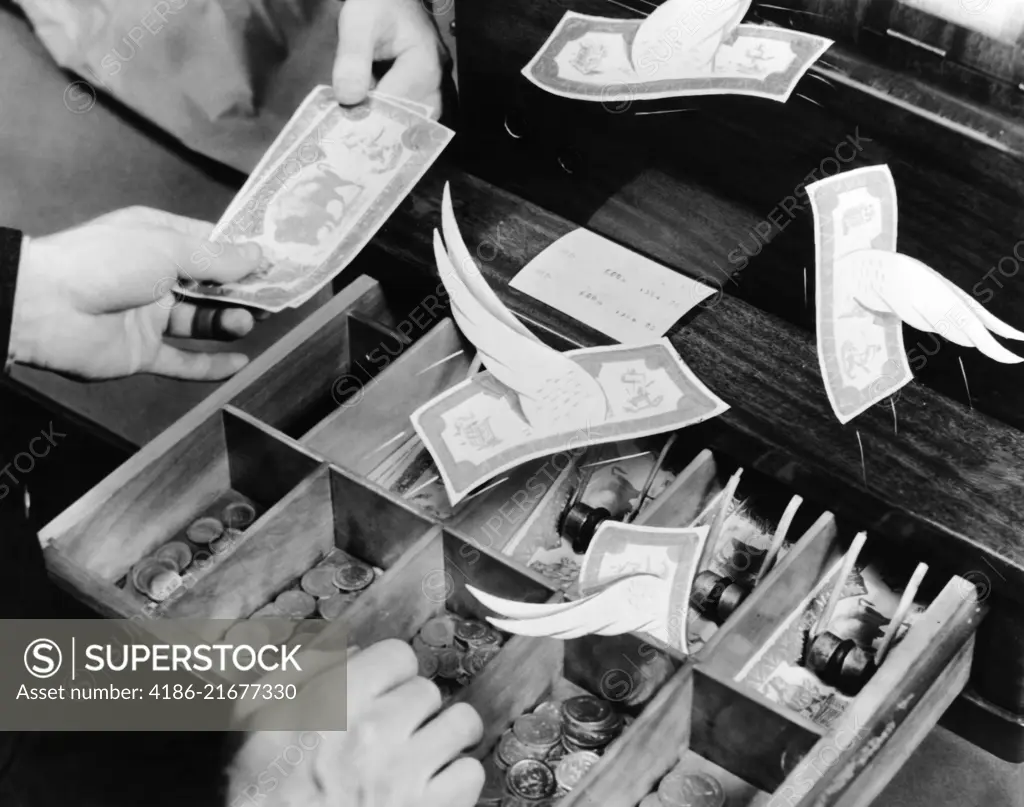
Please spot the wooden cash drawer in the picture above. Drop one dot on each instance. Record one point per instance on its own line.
(275, 438)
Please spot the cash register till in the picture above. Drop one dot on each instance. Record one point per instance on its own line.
(701, 185)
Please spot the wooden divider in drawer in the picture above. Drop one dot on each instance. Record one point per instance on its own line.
(423, 600)
(371, 435)
(754, 523)
(332, 542)
(222, 490)
(757, 665)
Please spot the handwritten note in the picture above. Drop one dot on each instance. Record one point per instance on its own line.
(610, 288)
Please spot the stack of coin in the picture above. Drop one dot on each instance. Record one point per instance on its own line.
(682, 787)
(540, 760)
(335, 583)
(589, 723)
(452, 651)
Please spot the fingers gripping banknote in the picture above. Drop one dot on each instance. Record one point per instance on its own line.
(685, 48)
(633, 579)
(321, 195)
(866, 291)
(534, 401)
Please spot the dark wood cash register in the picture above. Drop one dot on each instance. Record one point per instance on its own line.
(712, 187)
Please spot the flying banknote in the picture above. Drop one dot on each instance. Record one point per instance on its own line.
(633, 579)
(866, 290)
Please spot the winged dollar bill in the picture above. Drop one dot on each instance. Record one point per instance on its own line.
(684, 48)
(633, 579)
(865, 290)
(534, 401)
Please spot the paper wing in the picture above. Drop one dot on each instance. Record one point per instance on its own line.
(891, 283)
(470, 273)
(683, 34)
(554, 391)
(629, 605)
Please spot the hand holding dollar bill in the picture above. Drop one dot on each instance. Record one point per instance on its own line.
(325, 186)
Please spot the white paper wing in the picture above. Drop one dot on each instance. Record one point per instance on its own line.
(891, 283)
(554, 392)
(470, 273)
(630, 605)
(684, 34)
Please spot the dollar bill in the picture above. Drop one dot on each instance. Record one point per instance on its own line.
(860, 352)
(590, 59)
(476, 430)
(324, 199)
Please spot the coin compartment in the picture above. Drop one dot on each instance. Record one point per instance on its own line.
(430, 579)
(372, 425)
(625, 671)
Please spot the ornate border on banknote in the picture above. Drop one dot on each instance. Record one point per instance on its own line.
(696, 404)
(543, 69)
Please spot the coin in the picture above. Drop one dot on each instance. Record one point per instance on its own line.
(510, 750)
(353, 575)
(531, 779)
(439, 631)
(587, 711)
(157, 579)
(295, 604)
(540, 731)
(269, 611)
(474, 662)
(330, 608)
(492, 637)
(177, 552)
(449, 664)
(319, 582)
(572, 768)
(551, 708)
(469, 631)
(681, 789)
(204, 531)
(558, 751)
(238, 515)
(428, 664)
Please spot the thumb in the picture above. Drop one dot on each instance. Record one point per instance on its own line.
(353, 66)
(219, 262)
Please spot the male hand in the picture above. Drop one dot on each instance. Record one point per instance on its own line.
(95, 301)
(384, 30)
(397, 752)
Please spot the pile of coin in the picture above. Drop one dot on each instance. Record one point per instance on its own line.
(686, 788)
(562, 573)
(452, 651)
(160, 574)
(547, 752)
(324, 591)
